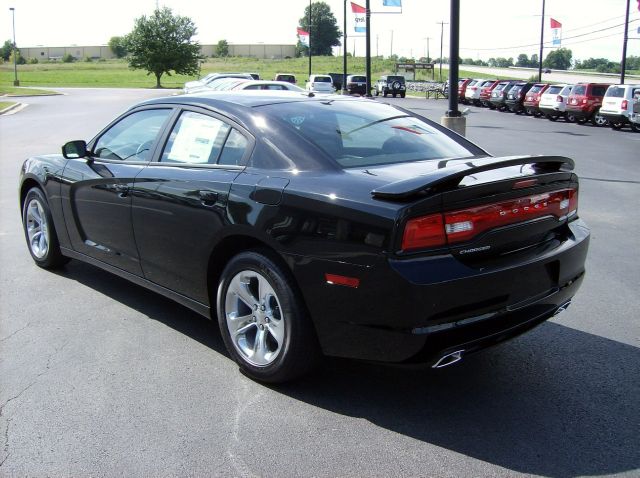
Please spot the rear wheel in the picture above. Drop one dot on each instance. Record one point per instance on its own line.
(597, 119)
(384, 92)
(570, 118)
(552, 117)
(616, 125)
(40, 232)
(402, 95)
(581, 120)
(635, 127)
(264, 325)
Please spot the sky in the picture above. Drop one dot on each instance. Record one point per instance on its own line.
(487, 29)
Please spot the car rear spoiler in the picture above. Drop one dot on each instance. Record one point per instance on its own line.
(449, 177)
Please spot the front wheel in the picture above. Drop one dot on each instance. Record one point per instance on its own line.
(40, 232)
(264, 325)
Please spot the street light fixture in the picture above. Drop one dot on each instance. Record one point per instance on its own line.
(15, 55)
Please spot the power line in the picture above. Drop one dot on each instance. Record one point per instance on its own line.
(548, 43)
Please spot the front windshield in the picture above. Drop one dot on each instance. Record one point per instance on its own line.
(364, 133)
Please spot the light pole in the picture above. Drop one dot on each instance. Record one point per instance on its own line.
(442, 24)
(15, 50)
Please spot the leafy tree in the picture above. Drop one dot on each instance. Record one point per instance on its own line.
(534, 62)
(324, 28)
(118, 47)
(162, 43)
(559, 59)
(523, 60)
(6, 49)
(222, 48)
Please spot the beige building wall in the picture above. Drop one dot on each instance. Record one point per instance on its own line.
(102, 51)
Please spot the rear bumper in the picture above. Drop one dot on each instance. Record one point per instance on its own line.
(415, 310)
(551, 110)
(615, 118)
(579, 113)
(514, 105)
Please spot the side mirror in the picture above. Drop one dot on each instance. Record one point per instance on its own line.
(74, 149)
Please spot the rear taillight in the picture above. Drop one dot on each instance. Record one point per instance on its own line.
(437, 230)
(559, 99)
(624, 104)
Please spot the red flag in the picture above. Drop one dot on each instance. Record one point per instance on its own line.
(557, 24)
(355, 8)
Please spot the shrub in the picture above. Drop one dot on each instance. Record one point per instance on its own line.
(33, 61)
(88, 59)
(68, 58)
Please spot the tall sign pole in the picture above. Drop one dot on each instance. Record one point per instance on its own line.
(368, 46)
(453, 119)
(15, 49)
(541, 44)
(344, 52)
(623, 63)
(309, 39)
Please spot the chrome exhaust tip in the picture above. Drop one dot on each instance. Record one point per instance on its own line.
(562, 308)
(448, 359)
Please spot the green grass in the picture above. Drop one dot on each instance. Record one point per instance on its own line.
(14, 91)
(117, 74)
(5, 104)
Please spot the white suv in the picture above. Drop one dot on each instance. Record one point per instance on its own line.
(553, 102)
(320, 84)
(621, 105)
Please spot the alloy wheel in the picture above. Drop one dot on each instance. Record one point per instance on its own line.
(37, 229)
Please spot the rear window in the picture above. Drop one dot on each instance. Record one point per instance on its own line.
(500, 86)
(322, 79)
(554, 90)
(359, 134)
(360, 79)
(615, 91)
(598, 90)
(566, 90)
(579, 90)
(471, 83)
(286, 78)
(395, 78)
(536, 88)
(516, 89)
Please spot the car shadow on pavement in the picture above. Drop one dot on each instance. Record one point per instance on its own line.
(554, 402)
(146, 302)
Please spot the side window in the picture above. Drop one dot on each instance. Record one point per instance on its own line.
(132, 137)
(195, 139)
(233, 149)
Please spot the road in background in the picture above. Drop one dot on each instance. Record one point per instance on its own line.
(101, 377)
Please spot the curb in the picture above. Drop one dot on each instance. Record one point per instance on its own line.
(10, 108)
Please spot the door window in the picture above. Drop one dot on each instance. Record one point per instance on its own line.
(234, 149)
(133, 137)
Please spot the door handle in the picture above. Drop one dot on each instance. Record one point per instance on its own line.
(208, 198)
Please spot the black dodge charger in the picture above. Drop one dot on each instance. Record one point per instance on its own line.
(315, 225)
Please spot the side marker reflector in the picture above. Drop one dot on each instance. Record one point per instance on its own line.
(335, 279)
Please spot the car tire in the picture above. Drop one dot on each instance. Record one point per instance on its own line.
(40, 232)
(376, 92)
(402, 95)
(384, 92)
(552, 117)
(263, 322)
(616, 126)
(597, 119)
(635, 127)
(393, 95)
(581, 120)
(569, 118)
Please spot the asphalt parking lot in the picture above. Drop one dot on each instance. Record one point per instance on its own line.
(101, 377)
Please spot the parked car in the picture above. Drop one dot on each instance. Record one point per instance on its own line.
(584, 103)
(222, 84)
(267, 85)
(485, 92)
(336, 80)
(391, 84)
(288, 77)
(320, 84)
(532, 99)
(255, 76)
(472, 93)
(516, 96)
(462, 89)
(553, 102)
(192, 86)
(357, 84)
(306, 226)
(619, 105)
(499, 94)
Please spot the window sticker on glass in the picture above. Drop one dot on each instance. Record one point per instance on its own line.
(195, 139)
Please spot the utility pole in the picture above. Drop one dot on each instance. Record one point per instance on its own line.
(541, 44)
(391, 54)
(442, 24)
(623, 63)
(377, 38)
(344, 52)
(15, 49)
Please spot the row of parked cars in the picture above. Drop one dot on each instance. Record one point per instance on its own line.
(329, 83)
(600, 103)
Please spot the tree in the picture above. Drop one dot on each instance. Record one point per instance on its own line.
(324, 28)
(118, 47)
(6, 49)
(162, 43)
(559, 59)
(222, 48)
